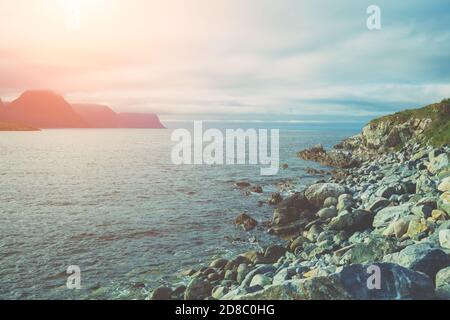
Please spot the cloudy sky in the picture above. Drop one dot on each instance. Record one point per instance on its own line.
(230, 59)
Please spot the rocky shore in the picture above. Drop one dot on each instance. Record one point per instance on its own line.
(377, 228)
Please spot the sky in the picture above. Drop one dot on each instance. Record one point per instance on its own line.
(229, 59)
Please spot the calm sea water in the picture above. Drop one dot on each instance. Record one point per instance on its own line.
(111, 202)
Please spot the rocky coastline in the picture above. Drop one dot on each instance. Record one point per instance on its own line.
(377, 228)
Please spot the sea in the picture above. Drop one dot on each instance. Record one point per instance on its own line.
(112, 203)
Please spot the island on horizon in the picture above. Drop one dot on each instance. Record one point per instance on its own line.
(44, 109)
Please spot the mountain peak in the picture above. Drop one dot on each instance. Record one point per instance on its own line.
(43, 109)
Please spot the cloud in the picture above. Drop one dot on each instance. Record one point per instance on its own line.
(232, 59)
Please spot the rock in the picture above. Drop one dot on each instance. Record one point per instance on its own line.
(385, 216)
(357, 220)
(197, 289)
(273, 253)
(298, 243)
(248, 257)
(396, 282)
(257, 189)
(350, 283)
(345, 202)
(178, 292)
(291, 209)
(334, 158)
(327, 213)
(247, 222)
(260, 280)
(438, 215)
(441, 162)
(386, 192)
(242, 184)
(443, 284)
(425, 184)
(401, 227)
(330, 201)
(317, 193)
(230, 275)
(444, 185)
(318, 288)
(284, 275)
(242, 272)
(162, 293)
(422, 211)
(219, 291)
(218, 263)
(263, 269)
(213, 277)
(275, 198)
(421, 257)
(416, 226)
(444, 202)
(371, 251)
(444, 238)
(378, 204)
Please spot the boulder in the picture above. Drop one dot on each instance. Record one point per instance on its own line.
(260, 280)
(317, 193)
(421, 257)
(291, 209)
(444, 185)
(327, 213)
(378, 204)
(396, 282)
(330, 201)
(273, 253)
(385, 216)
(162, 293)
(372, 250)
(441, 162)
(218, 263)
(444, 238)
(356, 220)
(275, 198)
(219, 291)
(443, 284)
(198, 289)
(386, 192)
(247, 222)
(242, 184)
(444, 202)
(351, 283)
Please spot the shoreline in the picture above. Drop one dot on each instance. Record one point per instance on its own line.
(378, 228)
(351, 230)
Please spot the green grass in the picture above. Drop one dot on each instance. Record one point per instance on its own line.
(439, 132)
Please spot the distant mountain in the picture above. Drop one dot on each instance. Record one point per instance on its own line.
(42, 109)
(99, 116)
(139, 120)
(46, 109)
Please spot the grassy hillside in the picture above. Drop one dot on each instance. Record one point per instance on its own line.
(438, 133)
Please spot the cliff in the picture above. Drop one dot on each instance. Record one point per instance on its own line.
(429, 125)
(99, 116)
(42, 109)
